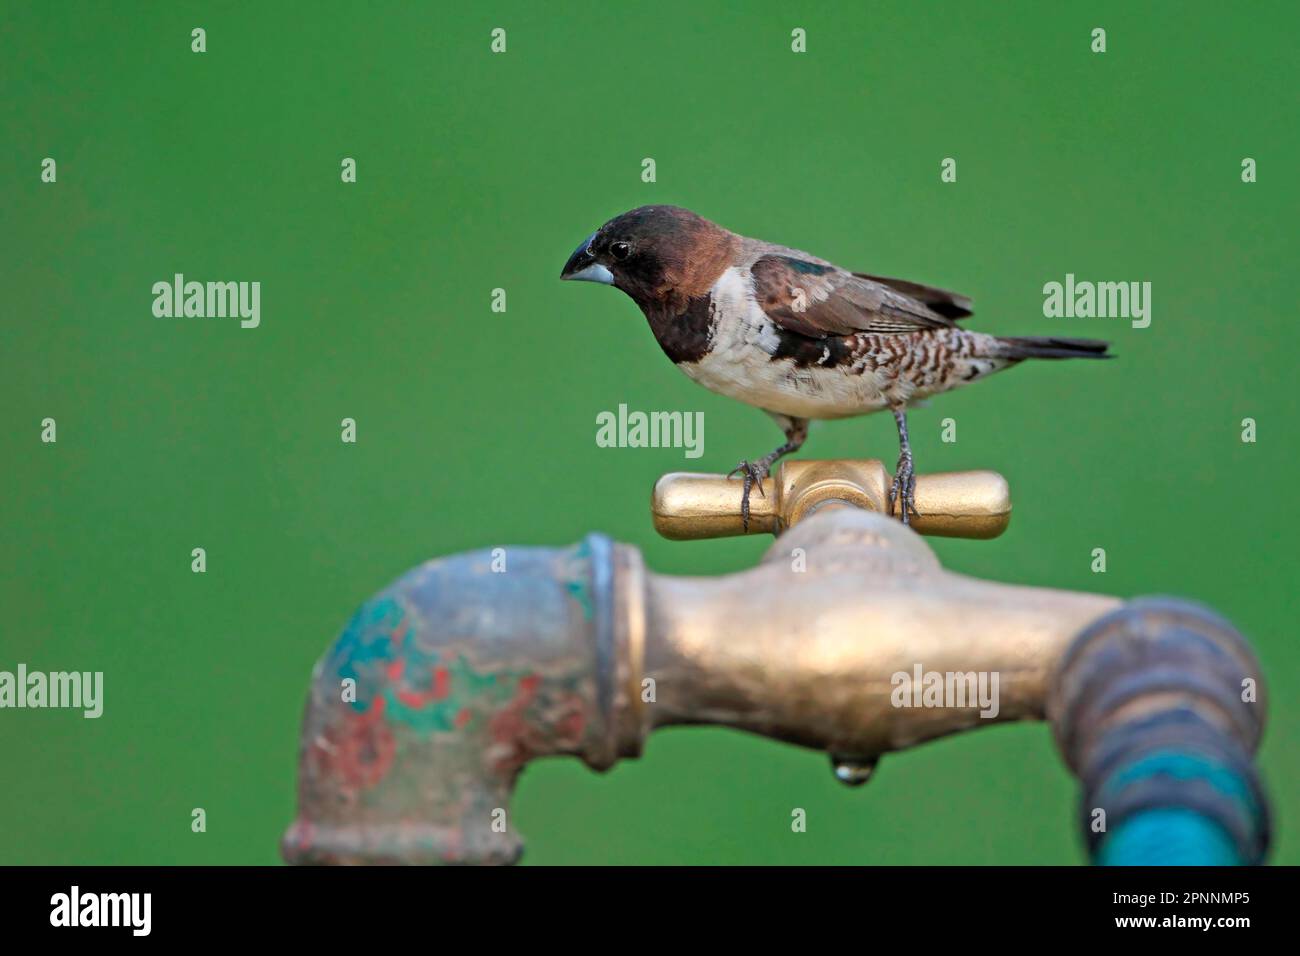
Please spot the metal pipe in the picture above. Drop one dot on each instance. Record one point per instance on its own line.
(447, 683)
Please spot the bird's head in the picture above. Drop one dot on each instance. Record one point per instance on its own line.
(654, 253)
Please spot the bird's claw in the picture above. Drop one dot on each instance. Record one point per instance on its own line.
(904, 490)
(753, 474)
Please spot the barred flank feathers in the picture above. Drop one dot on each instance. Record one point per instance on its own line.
(1046, 347)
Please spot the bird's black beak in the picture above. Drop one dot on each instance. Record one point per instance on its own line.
(583, 267)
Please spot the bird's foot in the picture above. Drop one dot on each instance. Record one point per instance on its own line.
(753, 473)
(904, 489)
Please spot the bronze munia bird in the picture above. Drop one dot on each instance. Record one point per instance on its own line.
(793, 334)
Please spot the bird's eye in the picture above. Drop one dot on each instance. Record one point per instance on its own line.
(619, 250)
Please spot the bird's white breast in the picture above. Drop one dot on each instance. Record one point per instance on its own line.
(739, 363)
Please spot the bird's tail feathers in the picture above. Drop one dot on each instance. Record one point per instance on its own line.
(1050, 347)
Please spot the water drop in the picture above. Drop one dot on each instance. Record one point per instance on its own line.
(852, 771)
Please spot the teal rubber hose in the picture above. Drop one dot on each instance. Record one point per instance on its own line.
(1158, 708)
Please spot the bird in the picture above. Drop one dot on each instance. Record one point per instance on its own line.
(796, 335)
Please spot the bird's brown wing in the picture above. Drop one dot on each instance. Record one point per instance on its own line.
(818, 300)
(951, 305)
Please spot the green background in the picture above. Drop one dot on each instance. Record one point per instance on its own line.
(478, 171)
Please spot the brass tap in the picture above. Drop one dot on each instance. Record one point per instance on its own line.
(462, 675)
(959, 504)
(446, 684)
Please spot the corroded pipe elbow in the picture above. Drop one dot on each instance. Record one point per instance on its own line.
(443, 686)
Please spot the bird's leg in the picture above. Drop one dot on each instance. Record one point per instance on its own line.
(904, 486)
(753, 472)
